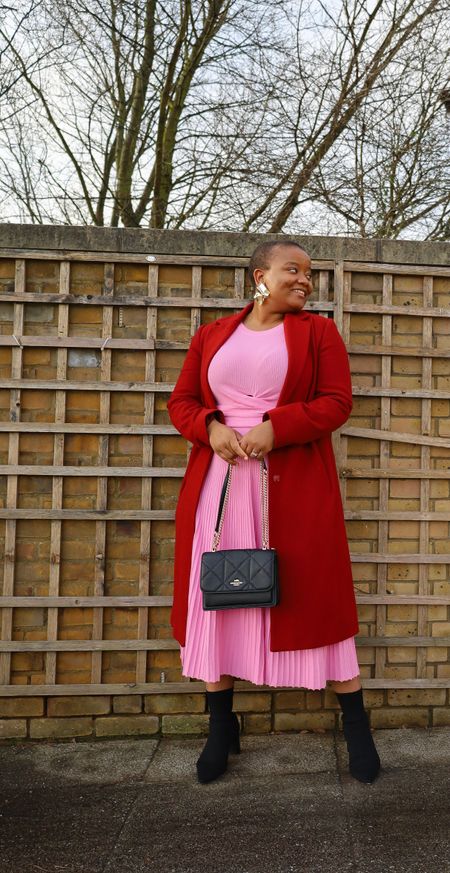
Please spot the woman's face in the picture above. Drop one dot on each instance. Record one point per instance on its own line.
(288, 278)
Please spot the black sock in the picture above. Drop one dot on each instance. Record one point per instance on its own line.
(220, 703)
(352, 704)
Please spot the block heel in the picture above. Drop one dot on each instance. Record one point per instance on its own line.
(235, 746)
(235, 743)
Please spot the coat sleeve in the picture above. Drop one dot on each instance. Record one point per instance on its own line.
(301, 422)
(184, 406)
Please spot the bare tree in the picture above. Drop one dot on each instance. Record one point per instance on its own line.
(14, 22)
(336, 82)
(125, 74)
(259, 115)
(391, 169)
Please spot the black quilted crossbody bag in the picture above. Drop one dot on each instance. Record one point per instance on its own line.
(235, 578)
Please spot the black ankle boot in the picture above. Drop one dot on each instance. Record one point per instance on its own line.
(223, 735)
(364, 761)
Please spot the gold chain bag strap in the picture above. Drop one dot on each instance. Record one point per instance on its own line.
(237, 578)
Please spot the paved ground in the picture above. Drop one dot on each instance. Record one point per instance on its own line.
(286, 805)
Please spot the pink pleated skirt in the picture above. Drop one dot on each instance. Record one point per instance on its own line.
(236, 641)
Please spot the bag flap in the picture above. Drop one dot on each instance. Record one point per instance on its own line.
(237, 570)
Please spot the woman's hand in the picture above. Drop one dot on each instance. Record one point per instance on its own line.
(258, 439)
(224, 441)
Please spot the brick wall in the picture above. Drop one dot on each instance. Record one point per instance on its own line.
(86, 641)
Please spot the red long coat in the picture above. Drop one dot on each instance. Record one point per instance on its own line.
(306, 520)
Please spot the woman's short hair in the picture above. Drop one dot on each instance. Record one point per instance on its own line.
(260, 259)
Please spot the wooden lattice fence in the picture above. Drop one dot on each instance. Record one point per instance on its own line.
(91, 345)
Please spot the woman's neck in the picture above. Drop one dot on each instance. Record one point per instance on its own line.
(264, 320)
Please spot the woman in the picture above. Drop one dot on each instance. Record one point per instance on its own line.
(271, 382)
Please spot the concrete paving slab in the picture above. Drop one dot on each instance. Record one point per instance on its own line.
(288, 753)
(410, 748)
(306, 753)
(413, 747)
(276, 824)
(401, 821)
(83, 762)
(286, 805)
(51, 825)
(174, 760)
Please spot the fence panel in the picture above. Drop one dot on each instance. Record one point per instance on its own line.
(90, 348)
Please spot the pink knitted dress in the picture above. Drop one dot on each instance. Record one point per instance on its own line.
(246, 376)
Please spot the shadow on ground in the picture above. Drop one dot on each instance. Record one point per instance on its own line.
(287, 804)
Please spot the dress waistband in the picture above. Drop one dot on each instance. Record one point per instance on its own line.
(241, 422)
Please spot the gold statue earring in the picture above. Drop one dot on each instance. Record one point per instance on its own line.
(261, 293)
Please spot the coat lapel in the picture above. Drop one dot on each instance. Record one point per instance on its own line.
(297, 331)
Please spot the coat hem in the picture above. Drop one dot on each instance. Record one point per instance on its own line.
(181, 640)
